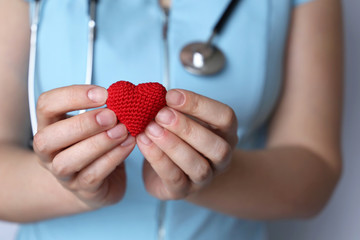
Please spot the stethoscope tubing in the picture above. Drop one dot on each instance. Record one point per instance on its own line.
(33, 57)
(32, 65)
(91, 45)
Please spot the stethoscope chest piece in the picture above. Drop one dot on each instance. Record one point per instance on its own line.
(202, 59)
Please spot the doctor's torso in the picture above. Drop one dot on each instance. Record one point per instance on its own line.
(129, 46)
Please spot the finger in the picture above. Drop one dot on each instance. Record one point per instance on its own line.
(73, 159)
(184, 156)
(210, 145)
(172, 177)
(72, 130)
(153, 183)
(93, 176)
(110, 191)
(54, 104)
(216, 114)
(156, 186)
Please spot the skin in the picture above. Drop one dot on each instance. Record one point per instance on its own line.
(296, 173)
(87, 160)
(165, 3)
(190, 153)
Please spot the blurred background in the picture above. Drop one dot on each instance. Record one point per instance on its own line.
(341, 218)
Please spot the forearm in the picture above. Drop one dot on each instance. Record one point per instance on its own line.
(29, 193)
(271, 184)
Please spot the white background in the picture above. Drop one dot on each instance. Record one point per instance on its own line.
(341, 218)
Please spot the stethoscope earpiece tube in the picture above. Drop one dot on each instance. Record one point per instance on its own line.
(91, 41)
(91, 44)
(32, 65)
(33, 51)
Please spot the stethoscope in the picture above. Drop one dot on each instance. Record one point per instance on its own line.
(199, 58)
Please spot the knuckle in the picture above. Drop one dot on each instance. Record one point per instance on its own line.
(157, 161)
(43, 107)
(40, 143)
(177, 179)
(221, 152)
(94, 144)
(227, 117)
(71, 186)
(59, 168)
(88, 179)
(187, 129)
(73, 93)
(173, 144)
(82, 123)
(203, 173)
(194, 104)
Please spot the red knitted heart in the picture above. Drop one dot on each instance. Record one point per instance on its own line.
(136, 106)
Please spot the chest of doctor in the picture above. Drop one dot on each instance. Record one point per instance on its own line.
(130, 46)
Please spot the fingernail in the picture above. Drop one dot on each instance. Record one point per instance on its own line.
(174, 97)
(165, 116)
(155, 130)
(105, 118)
(97, 94)
(129, 141)
(144, 139)
(117, 132)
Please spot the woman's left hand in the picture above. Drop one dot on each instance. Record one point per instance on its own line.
(188, 144)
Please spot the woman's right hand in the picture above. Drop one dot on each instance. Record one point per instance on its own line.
(85, 153)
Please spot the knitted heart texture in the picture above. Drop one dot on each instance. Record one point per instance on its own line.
(136, 106)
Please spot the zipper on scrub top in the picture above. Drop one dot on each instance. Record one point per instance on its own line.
(161, 231)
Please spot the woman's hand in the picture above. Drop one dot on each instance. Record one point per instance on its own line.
(188, 144)
(86, 152)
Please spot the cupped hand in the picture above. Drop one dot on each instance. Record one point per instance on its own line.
(86, 152)
(188, 144)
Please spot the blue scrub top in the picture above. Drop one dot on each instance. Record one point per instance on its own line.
(129, 47)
